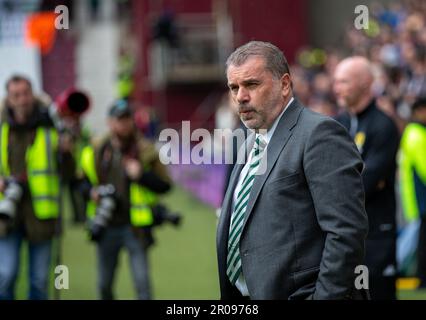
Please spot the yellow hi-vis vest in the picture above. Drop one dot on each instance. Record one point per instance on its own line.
(42, 173)
(82, 141)
(141, 199)
(412, 170)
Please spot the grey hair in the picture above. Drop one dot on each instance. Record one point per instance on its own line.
(275, 61)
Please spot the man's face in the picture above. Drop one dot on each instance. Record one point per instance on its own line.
(346, 87)
(257, 96)
(20, 97)
(121, 127)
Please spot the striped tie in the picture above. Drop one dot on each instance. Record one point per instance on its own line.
(234, 260)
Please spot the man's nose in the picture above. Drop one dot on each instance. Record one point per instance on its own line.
(243, 95)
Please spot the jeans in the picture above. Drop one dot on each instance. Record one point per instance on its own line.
(39, 264)
(108, 248)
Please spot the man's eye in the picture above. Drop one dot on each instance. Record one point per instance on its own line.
(233, 89)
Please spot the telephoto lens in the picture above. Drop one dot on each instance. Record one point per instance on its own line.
(11, 197)
(104, 211)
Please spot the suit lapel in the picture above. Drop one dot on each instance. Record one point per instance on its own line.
(276, 145)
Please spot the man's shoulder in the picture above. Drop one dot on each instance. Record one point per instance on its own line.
(415, 127)
(414, 133)
(314, 128)
(98, 142)
(310, 120)
(147, 149)
(381, 121)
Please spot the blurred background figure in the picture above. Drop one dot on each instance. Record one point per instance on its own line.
(66, 112)
(412, 164)
(377, 138)
(123, 177)
(33, 158)
(147, 122)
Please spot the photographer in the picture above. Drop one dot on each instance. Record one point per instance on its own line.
(67, 112)
(124, 176)
(33, 156)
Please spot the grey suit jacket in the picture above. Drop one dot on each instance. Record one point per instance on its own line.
(305, 223)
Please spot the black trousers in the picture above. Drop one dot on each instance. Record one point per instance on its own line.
(380, 256)
(382, 288)
(78, 204)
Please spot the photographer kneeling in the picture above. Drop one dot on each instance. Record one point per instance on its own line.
(123, 177)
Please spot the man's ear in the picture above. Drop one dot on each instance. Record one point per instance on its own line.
(286, 84)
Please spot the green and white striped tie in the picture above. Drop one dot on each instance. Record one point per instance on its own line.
(233, 261)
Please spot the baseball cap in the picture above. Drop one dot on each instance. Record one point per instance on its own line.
(120, 109)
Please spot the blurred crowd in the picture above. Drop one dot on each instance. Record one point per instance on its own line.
(395, 43)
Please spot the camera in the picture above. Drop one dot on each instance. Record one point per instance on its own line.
(104, 211)
(12, 195)
(162, 215)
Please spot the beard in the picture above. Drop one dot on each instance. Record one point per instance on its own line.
(124, 141)
(249, 116)
(260, 117)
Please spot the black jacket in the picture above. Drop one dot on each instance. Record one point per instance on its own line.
(377, 139)
(305, 224)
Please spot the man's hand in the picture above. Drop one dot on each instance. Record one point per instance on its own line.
(133, 168)
(94, 195)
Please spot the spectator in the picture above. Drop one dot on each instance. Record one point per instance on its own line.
(377, 139)
(413, 179)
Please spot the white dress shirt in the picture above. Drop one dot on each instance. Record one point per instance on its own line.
(241, 283)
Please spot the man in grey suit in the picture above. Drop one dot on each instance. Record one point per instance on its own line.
(293, 222)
